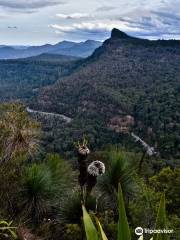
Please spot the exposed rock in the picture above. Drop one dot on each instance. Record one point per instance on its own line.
(121, 124)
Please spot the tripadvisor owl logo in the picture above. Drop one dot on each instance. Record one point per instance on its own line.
(139, 231)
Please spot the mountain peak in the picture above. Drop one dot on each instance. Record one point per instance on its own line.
(116, 33)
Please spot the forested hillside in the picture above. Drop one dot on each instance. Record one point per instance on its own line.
(21, 79)
(125, 77)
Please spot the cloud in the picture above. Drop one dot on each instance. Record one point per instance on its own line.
(149, 25)
(167, 15)
(163, 22)
(80, 20)
(84, 26)
(85, 30)
(72, 16)
(105, 8)
(30, 4)
(158, 19)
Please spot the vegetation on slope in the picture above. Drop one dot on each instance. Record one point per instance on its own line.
(42, 194)
(126, 76)
(21, 79)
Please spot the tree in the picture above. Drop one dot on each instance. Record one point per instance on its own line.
(119, 169)
(43, 186)
(19, 134)
(19, 139)
(168, 181)
(36, 192)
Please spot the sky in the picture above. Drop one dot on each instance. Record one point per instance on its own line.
(36, 22)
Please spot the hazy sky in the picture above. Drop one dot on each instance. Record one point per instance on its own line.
(34, 22)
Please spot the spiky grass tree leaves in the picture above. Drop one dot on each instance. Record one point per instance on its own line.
(7, 230)
(91, 232)
(142, 238)
(119, 168)
(102, 233)
(161, 220)
(19, 133)
(123, 226)
(37, 190)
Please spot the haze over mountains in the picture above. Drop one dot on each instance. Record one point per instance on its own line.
(82, 49)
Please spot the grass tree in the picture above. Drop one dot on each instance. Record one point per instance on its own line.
(19, 133)
(36, 192)
(43, 186)
(19, 139)
(119, 169)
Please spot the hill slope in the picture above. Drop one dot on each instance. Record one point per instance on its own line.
(126, 76)
(22, 78)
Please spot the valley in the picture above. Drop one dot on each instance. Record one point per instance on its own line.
(125, 76)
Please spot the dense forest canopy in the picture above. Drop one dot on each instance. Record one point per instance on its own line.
(126, 76)
(21, 79)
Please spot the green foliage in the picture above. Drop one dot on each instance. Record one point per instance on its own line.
(73, 230)
(44, 184)
(103, 235)
(7, 231)
(147, 198)
(168, 180)
(37, 190)
(123, 226)
(161, 220)
(19, 141)
(40, 189)
(141, 238)
(91, 232)
(63, 177)
(71, 206)
(19, 133)
(119, 169)
(22, 78)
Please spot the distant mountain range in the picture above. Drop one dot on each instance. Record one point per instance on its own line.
(82, 49)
